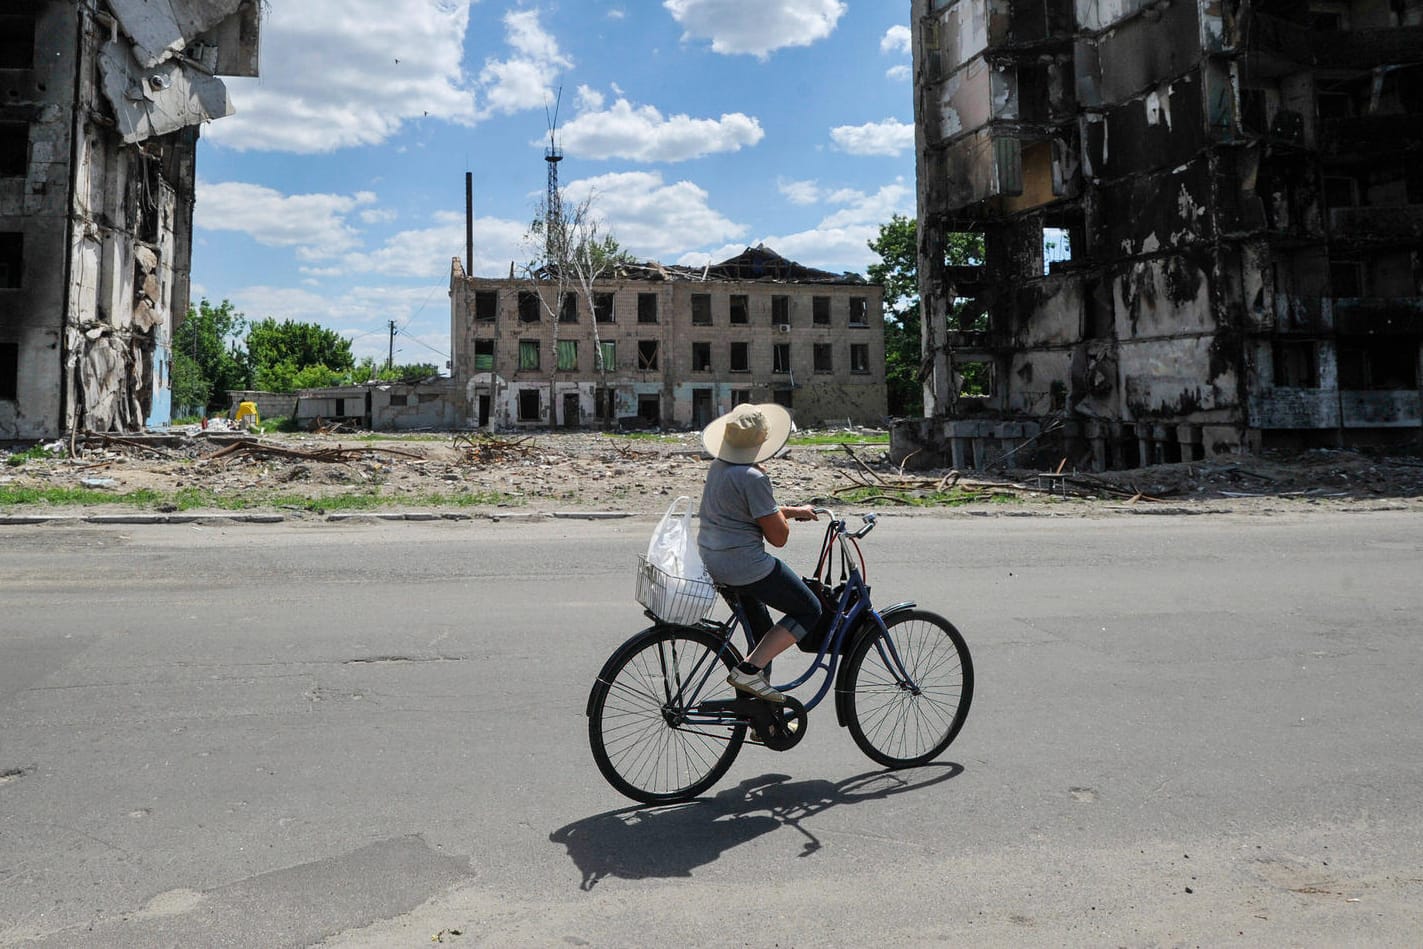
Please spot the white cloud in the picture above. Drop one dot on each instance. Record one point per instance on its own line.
(379, 215)
(799, 192)
(641, 133)
(651, 218)
(426, 252)
(756, 27)
(315, 224)
(899, 73)
(522, 81)
(337, 73)
(838, 243)
(890, 137)
(360, 314)
(896, 39)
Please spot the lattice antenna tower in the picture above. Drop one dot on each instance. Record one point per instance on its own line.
(553, 224)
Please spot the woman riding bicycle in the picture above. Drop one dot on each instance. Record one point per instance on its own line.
(739, 514)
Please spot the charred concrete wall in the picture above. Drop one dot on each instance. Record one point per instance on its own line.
(100, 103)
(1241, 186)
(679, 346)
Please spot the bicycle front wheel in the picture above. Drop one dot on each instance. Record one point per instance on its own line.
(652, 732)
(909, 692)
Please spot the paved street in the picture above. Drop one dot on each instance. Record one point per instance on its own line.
(1187, 730)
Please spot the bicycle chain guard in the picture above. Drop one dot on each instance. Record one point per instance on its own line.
(780, 727)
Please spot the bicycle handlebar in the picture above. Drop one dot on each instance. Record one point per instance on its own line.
(870, 521)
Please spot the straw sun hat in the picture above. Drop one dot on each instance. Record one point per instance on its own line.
(748, 433)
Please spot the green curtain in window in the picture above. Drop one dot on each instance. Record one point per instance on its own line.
(528, 355)
(610, 355)
(568, 354)
(484, 362)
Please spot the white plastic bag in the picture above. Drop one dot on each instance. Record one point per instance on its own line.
(673, 584)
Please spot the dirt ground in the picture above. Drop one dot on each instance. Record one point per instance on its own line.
(586, 472)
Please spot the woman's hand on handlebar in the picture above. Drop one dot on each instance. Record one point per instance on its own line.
(802, 512)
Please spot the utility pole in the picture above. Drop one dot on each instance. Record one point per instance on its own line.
(390, 359)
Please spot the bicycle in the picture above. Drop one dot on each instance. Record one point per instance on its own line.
(664, 725)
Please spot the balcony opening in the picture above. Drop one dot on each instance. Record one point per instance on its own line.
(975, 379)
(14, 149)
(1378, 364)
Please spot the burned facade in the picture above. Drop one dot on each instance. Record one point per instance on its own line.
(669, 346)
(1239, 184)
(100, 104)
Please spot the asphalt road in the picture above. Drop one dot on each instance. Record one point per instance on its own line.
(1187, 730)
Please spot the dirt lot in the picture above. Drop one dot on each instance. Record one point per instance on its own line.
(558, 472)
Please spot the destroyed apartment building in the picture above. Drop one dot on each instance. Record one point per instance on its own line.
(669, 346)
(1239, 186)
(100, 106)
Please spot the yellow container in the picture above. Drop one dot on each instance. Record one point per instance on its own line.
(244, 410)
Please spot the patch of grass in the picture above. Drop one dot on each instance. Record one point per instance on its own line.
(203, 499)
(33, 453)
(956, 497)
(842, 438)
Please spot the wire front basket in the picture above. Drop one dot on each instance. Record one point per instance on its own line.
(681, 601)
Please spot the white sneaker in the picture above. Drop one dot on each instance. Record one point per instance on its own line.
(754, 683)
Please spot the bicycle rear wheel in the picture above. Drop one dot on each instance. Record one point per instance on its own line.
(647, 734)
(901, 722)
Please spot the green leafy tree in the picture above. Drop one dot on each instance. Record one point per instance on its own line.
(280, 352)
(368, 370)
(208, 356)
(898, 272)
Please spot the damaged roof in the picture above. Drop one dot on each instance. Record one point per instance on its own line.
(752, 264)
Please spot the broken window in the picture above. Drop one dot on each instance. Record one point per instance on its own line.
(1340, 192)
(781, 357)
(740, 313)
(823, 358)
(9, 370)
(858, 311)
(603, 307)
(740, 397)
(647, 308)
(17, 41)
(701, 357)
(568, 313)
(820, 311)
(486, 305)
(528, 354)
(484, 355)
(12, 259)
(975, 378)
(859, 357)
(649, 409)
(647, 354)
(529, 409)
(399, 400)
(608, 355)
(1296, 364)
(1377, 364)
(740, 357)
(568, 354)
(14, 149)
(701, 309)
(1346, 278)
(528, 306)
(780, 310)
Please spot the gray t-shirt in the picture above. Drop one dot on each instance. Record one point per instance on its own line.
(728, 538)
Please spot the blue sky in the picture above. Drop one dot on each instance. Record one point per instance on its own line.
(335, 195)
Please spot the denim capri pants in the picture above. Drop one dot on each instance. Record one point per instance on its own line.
(783, 590)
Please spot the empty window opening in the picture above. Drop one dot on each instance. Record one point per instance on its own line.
(858, 312)
(486, 305)
(1335, 105)
(649, 409)
(529, 409)
(740, 313)
(9, 371)
(17, 41)
(568, 354)
(740, 397)
(14, 149)
(701, 357)
(608, 356)
(12, 259)
(784, 397)
(1377, 364)
(1296, 364)
(781, 357)
(603, 307)
(820, 311)
(484, 355)
(1346, 278)
(780, 311)
(859, 357)
(399, 401)
(740, 357)
(1057, 247)
(528, 354)
(701, 309)
(975, 378)
(568, 313)
(823, 357)
(647, 308)
(528, 306)
(647, 354)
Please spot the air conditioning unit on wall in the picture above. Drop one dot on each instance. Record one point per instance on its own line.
(783, 327)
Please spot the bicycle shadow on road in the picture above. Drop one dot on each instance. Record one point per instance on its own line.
(639, 842)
